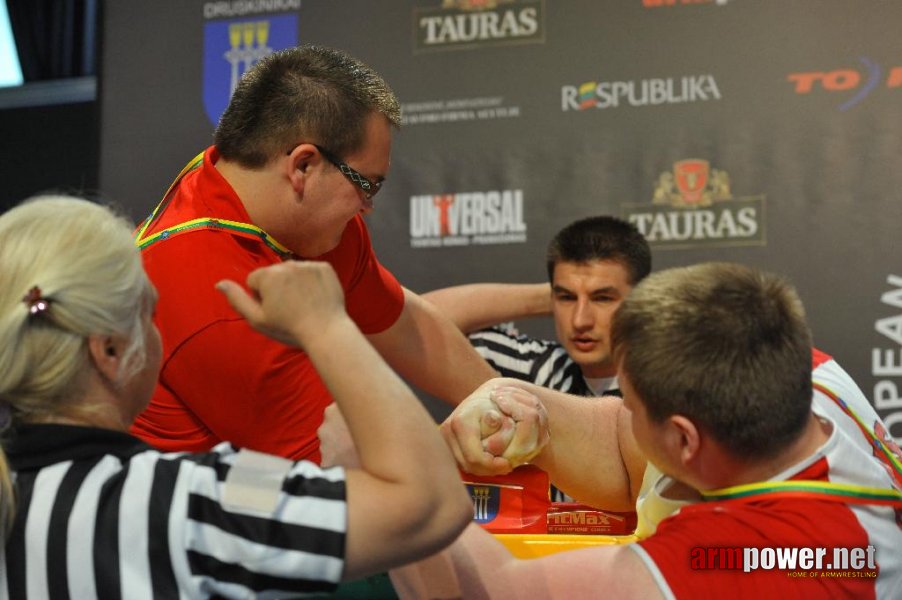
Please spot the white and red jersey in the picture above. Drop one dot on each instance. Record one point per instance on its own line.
(848, 457)
(828, 374)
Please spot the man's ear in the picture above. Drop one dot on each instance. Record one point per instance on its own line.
(298, 165)
(685, 438)
(106, 354)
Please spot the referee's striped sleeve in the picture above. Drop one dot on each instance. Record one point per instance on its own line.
(297, 549)
(154, 525)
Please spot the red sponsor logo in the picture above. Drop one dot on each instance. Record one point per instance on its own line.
(839, 80)
(568, 517)
(858, 83)
(691, 179)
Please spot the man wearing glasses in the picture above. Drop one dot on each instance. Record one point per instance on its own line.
(298, 158)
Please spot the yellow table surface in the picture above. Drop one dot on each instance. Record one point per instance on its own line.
(538, 545)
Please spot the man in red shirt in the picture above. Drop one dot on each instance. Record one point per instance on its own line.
(297, 159)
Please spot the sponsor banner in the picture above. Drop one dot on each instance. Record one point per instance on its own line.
(512, 503)
(886, 363)
(461, 24)
(456, 110)
(693, 206)
(853, 85)
(665, 3)
(640, 92)
(473, 218)
(223, 9)
(233, 46)
(573, 518)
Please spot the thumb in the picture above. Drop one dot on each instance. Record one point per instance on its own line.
(240, 300)
(489, 423)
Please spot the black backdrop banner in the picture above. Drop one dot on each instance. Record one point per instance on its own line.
(765, 132)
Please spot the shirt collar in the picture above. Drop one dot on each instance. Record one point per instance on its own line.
(603, 386)
(37, 445)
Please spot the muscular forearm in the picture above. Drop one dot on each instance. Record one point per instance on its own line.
(430, 352)
(484, 569)
(478, 567)
(432, 578)
(478, 305)
(592, 455)
(469, 568)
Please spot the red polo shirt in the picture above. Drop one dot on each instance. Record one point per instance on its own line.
(220, 379)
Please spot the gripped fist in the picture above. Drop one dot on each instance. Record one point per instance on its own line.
(293, 300)
(529, 420)
(498, 427)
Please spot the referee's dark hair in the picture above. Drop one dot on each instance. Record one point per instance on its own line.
(601, 238)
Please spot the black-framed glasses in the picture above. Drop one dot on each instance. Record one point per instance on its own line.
(369, 188)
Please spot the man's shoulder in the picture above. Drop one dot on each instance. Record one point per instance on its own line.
(199, 259)
(185, 270)
(199, 193)
(543, 362)
(506, 336)
(715, 539)
(769, 518)
(540, 354)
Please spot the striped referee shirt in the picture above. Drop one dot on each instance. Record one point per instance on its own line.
(541, 362)
(102, 515)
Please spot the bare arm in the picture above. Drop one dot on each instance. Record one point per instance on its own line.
(591, 455)
(430, 352)
(478, 305)
(406, 500)
(479, 567)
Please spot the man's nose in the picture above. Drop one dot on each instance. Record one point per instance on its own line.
(583, 315)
